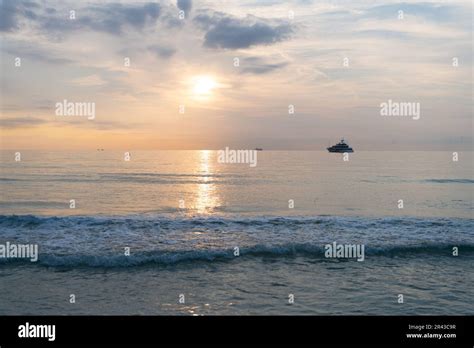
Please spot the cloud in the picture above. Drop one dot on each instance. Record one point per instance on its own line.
(162, 52)
(12, 10)
(115, 16)
(97, 124)
(29, 122)
(21, 122)
(257, 65)
(224, 31)
(110, 18)
(185, 5)
(434, 12)
(88, 81)
(35, 54)
(8, 16)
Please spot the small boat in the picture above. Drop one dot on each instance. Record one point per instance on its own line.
(258, 149)
(341, 147)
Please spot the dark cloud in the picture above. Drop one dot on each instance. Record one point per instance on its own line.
(257, 65)
(171, 21)
(11, 11)
(205, 19)
(137, 16)
(185, 5)
(111, 18)
(163, 52)
(8, 17)
(224, 31)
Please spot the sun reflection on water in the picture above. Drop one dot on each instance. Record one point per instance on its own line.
(206, 192)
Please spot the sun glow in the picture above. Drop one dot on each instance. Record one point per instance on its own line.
(203, 85)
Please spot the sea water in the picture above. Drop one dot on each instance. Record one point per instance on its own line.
(177, 232)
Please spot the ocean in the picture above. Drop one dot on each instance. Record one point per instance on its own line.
(177, 233)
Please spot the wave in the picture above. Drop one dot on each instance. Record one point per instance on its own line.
(451, 181)
(227, 255)
(135, 178)
(99, 241)
(30, 220)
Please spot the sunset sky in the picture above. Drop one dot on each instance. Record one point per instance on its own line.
(191, 62)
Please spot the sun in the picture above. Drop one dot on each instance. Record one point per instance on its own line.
(204, 85)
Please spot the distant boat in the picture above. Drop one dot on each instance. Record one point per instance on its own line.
(258, 149)
(341, 147)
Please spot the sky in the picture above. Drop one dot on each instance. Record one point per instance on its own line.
(213, 74)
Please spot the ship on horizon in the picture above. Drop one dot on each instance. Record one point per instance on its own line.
(340, 147)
